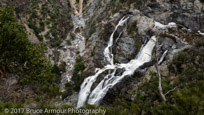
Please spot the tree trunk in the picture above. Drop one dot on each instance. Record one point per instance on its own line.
(159, 76)
(80, 6)
(73, 5)
(160, 85)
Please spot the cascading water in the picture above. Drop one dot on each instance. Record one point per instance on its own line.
(94, 97)
(107, 52)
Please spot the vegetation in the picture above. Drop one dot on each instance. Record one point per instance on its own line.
(77, 78)
(39, 20)
(56, 42)
(78, 74)
(69, 90)
(24, 59)
(72, 36)
(184, 86)
(69, 42)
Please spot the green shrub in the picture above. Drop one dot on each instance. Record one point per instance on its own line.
(42, 26)
(91, 30)
(79, 74)
(72, 36)
(68, 91)
(78, 52)
(69, 42)
(199, 43)
(48, 22)
(31, 65)
(40, 37)
(56, 42)
(186, 101)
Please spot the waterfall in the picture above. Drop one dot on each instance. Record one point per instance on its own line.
(94, 97)
(100, 91)
(107, 53)
(201, 33)
(161, 26)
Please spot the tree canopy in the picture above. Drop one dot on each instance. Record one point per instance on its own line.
(24, 59)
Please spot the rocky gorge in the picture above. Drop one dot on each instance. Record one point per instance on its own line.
(75, 43)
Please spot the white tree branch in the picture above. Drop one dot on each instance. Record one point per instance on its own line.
(159, 76)
(170, 90)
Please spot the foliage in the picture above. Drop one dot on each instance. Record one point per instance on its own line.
(199, 42)
(123, 107)
(69, 42)
(56, 42)
(79, 74)
(9, 105)
(25, 59)
(187, 98)
(91, 30)
(72, 36)
(185, 101)
(69, 90)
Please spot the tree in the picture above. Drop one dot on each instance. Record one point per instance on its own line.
(77, 10)
(159, 75)
(22, 58)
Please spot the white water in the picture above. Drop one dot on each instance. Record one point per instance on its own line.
(111, 79)
(201, 33)
(107, 52)
(161, 26)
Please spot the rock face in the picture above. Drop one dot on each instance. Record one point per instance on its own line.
(143, 22)
(97, 24)
(187, 14)
(125, 50)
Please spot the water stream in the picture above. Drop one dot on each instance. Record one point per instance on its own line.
(95, 96)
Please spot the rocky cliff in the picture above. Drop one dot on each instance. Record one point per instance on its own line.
(75, 34)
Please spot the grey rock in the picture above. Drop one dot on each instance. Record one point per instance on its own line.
(124, 50)
(167, 43)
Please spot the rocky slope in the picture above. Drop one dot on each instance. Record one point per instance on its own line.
(146, 18)
(75, 43)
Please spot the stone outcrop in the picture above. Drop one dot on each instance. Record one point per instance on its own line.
(187, 14)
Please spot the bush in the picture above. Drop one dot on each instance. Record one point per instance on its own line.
(56, 42)
(23, 58)
(186, 101)
(72, 36)
(199, 43)
(69, 42)
(40, 37)
(68, 91)
(79, 74)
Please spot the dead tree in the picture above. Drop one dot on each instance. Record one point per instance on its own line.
(159, 75)
(78, 8)
(73, 5)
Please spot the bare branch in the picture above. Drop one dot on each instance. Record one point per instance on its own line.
(160, 86)
(159, 76)
(73, 5)
(78, 8)
(170, 90)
